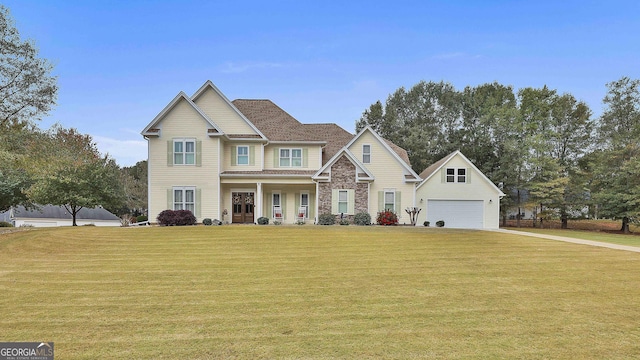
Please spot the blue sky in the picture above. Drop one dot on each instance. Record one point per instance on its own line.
(120, 62)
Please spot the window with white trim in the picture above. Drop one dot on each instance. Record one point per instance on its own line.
(390, 200)
(343, 201)
(291, 157)
(184, 198)
(184, 151)
(242, 155)
(366, 154)
(304, 203)
(456, 175)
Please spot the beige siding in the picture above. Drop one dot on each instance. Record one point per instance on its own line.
(388, 173)
(476, 188)
(183, 122)
(222, 114)
(227, 154)
(313, 156)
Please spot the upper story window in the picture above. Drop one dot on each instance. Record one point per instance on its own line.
(291, 157)
(456, 175)
(366, 154)
(184, 152)
(243, 155)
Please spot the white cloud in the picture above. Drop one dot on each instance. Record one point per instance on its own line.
(125, 152)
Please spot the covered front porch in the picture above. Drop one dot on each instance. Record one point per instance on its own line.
(284, 200)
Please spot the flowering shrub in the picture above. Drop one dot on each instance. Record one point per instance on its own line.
(387, 217)
(176, 218)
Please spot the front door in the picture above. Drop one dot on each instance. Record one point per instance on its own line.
(242, 207)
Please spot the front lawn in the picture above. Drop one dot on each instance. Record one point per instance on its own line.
(251, 292)
(622, 239)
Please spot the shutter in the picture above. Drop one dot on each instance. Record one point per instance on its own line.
(169, 152)
(380, 201)
(297, 201)
(169, 199)
(198, 202)
(199, 153)
(468, 175)
(276, 157)
(312, 208)
(269, 206)
(283, 203)
(252, 155)
(234, 155)
(334, 201)
(398, 204)
(443, 175)
(305, 157)
(351, 202)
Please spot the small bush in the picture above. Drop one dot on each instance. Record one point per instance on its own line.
(141, 218)
(440, 223)
(277, 222)
(344, 222)
(326, 219)
(263, 220)
(426, 223)
(207, 222)
(176, 218)
(5, 224)
(362, 218)
(300, 222)
(387, 217)
(91, 224)
(26, 226)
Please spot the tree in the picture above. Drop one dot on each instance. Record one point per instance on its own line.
(72, 173)
(14, 179)
(27, 89)
(134, 180)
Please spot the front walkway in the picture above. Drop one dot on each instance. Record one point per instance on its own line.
(571, 240)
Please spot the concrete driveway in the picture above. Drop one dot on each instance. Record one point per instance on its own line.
(571, 240)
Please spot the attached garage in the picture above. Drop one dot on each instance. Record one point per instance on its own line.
(465, 214)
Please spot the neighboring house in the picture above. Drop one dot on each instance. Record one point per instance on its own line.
(455, 191)
(240, 160)
(50, 215)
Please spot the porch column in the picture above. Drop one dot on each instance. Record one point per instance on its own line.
(258, 201)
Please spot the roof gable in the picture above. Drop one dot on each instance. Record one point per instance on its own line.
(429, 172)
(391, 148)
(150, 129)
(213, 109)
(360, 168)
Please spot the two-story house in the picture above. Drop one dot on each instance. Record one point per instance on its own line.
(240, 160)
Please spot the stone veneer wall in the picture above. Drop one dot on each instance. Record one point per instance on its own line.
(343, 177)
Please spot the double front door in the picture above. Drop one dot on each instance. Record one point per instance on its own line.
(242, 204)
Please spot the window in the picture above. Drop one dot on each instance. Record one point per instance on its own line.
(291, 157)
(366, 154)
(243, 155)
(184, 199)
(277, 205)
(304, 203)
(390, 200)
(343, 201)
(456, 175)
(184, 152)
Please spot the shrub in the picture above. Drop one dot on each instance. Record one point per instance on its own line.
(326, 219)
(277, 222)
(5, 224)
(300, 222)
(141, 218)
(176, 218)
(387, 217)
(426, 223)
(26, 226)
(90, 224)
(344, 222)
(362, 218)
(263, 220)
(440, 223)
(207, 222)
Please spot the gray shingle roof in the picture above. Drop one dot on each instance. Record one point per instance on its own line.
(59, 212)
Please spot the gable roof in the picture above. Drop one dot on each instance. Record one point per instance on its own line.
(149, 129)
(361, 169)
(59, 212)
(395, 154)
(209, 85)
(433, 169)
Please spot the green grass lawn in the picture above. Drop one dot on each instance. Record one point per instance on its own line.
(630, 239)
(251, 292)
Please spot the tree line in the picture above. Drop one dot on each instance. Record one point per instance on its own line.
(57, 166)
(543, 149)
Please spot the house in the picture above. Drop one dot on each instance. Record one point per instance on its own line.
(240, 160)
(50, 215)
(455, 191)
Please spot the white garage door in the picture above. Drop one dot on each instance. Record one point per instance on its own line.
(465, 214)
